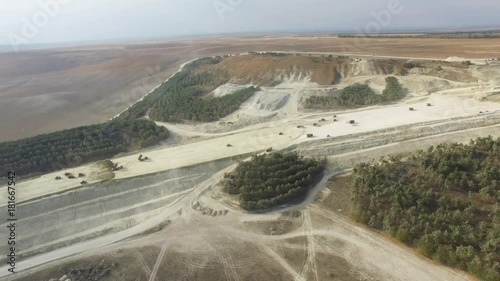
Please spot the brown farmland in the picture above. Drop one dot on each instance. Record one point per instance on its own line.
(48, 90)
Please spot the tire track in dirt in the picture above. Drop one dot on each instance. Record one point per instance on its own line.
(303, 233)
(404, 264)
(311, 253)
(152, 277)
(227, 271)
(296, 276)
(190, 269)
(143, 264)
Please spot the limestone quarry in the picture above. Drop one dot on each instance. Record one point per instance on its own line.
(167, 219)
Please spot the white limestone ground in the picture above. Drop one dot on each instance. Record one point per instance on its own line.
(256, 127)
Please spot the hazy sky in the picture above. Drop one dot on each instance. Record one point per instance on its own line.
(91, 20)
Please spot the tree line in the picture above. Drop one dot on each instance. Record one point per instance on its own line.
(203, 62)
(181, 97)
(184, 96)
(185, 80)
(358, 95)
(188, 104)
(270, 180)
(73, 147)
(443, 201)
(393, 90)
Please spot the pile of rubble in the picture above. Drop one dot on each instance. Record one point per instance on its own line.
(209, 211)
(86, 273)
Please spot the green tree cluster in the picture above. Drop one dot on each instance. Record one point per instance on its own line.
(444, 201)
(68, 148)
(204, 62)
(410, 65)
(184, 95)
(352, 96)
(183, 81)
(358, 95)
(181, 97)
(189, 104)
(321, 102)
(393, 90)
(271, 180)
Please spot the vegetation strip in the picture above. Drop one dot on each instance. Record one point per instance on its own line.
(180, 98)
(69, 148)
(443, 201)
(271, 180)
(359, 95)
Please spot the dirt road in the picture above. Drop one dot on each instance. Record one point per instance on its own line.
(205, 225)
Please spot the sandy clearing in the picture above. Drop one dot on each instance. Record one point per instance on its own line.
(444, 107)
(46, 185)
(311, 250)
(282, 101)
(228, 89)
(94, 245)
(262, 103)
(366, 249)
(372, 154)
(284, 264)
(264, 135)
